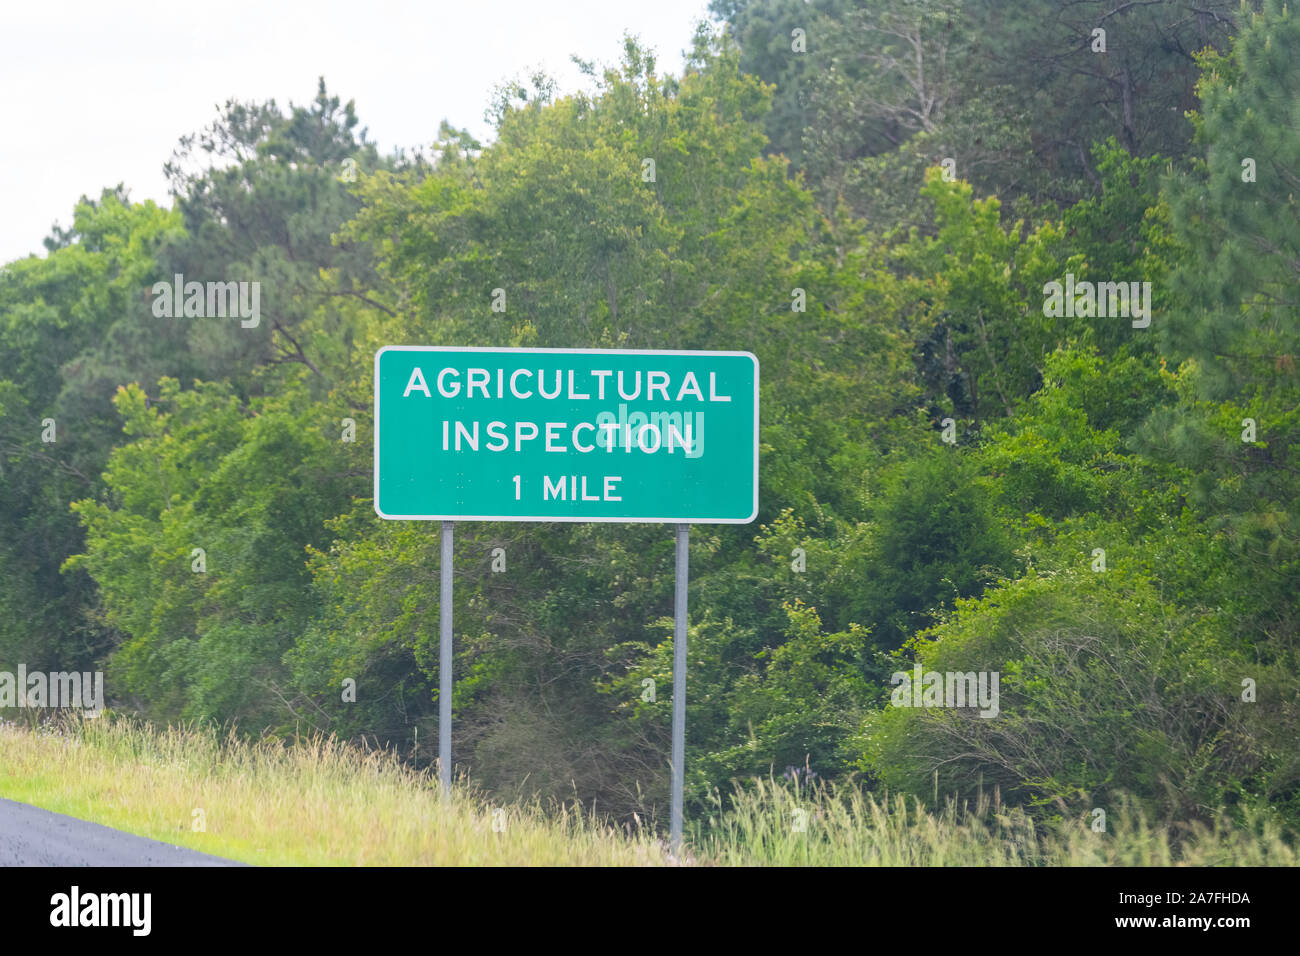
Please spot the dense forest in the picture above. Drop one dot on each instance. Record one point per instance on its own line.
(969, 461)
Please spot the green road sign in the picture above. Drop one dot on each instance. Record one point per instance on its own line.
(566, 435)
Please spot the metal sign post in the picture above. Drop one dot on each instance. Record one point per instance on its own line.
(683, 556)
(444, 663)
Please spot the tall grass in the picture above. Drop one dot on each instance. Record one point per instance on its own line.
(304, 802)
(773, 822)
(319, 801)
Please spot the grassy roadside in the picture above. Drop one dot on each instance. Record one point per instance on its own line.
(321, 802)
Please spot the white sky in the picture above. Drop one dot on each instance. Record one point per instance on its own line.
(93, 93)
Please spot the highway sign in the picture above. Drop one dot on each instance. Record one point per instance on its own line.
(467, 434)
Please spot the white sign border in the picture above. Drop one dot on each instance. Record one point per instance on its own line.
(570, 520)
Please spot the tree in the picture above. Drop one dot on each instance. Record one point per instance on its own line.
(55, 435)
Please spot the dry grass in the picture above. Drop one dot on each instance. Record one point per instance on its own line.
(321, 802)
(316, 802)
(847, 826)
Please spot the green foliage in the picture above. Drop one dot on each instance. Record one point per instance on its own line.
(982, 280)
(243, 485)
(1105, 688)
(1014, 98)
(52, 313)
(1239, 333)
(933, 539)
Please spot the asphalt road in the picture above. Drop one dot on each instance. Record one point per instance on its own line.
(30, 836)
